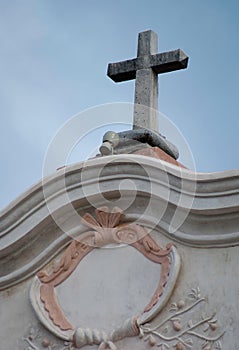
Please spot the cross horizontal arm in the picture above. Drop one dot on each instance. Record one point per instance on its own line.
(160, 63)
(168, 61)
(122, 71)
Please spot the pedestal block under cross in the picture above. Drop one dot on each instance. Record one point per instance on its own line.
(145, 69)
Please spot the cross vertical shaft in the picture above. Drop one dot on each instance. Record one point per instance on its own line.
(146, 84)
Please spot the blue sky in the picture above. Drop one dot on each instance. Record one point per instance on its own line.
(54, 56)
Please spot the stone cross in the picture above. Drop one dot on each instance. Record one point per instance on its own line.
(145, 69)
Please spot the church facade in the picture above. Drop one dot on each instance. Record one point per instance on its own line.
(87, 262)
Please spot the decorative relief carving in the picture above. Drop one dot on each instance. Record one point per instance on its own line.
(35, 340)
(185, 327)
(170, 333)
(70, 260)
(105, 229)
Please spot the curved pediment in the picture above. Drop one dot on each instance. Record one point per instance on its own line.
(192, 208)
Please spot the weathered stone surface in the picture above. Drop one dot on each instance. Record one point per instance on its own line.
(158, 153)
(142, 137)
(145, 69)
(161, 63)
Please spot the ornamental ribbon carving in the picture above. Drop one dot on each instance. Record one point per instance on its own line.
(105, 228)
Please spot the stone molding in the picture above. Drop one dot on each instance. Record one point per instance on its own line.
(29, 236)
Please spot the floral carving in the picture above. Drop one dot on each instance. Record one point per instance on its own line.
(35, 340)
(178, 332)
